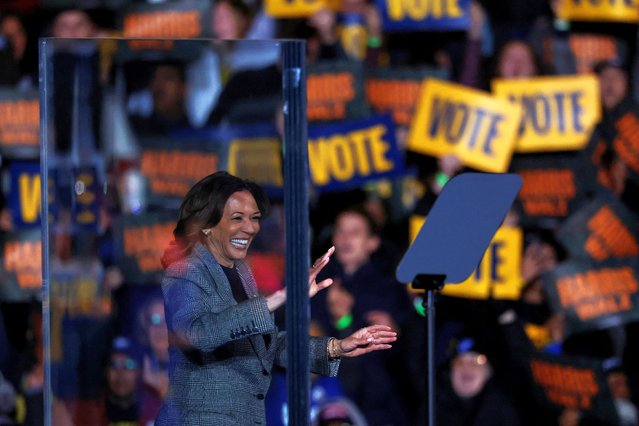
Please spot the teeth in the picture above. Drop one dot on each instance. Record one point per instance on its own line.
(239, 242)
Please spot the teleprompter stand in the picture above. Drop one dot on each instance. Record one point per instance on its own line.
(451, 243)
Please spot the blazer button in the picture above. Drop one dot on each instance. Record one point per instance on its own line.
(232, 335)
(260, 396)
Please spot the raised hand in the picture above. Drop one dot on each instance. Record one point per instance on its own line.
(313, 286)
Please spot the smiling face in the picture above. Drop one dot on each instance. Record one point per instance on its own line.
(470, 372)
(230, 239)
(516, 61)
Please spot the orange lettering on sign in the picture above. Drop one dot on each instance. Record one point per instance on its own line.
(20, 122)
(146, 244)
(609, 236)
(590, 49)
(165, 23)
(328, 95)
(547, 192)
(24, 259)
(627, 142)
(398, 96)
(150, 44)
(174, 172)
(565, 385)
(598, 292)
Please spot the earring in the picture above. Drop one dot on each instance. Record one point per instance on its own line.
(206, 232)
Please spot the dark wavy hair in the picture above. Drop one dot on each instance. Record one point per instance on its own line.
(203, 207)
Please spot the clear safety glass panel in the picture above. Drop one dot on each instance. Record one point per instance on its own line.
(128, 126)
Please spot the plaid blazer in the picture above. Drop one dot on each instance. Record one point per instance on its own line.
(220, 364)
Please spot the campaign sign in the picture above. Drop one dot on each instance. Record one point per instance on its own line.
(171, 167)
(479, 128)
(348, 154)
(19, 123)
(20, 265)
(255, 153)
(86, 198)
(600, 10)
(295, 8)
(588, 49)
(24, 195)
(424, 15)
(397, 90)
(140, 241)
(559, 113)
(626, 142)
(600, 230)
(185, 19)
(335, 91)
(594, 295)
(154, 25)
(575, 383)
(498, 274)
(555, 185)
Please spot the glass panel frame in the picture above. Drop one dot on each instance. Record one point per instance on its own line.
(78, 146)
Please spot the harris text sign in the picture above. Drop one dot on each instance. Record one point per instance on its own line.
(421, 15)
(19, 123)
(559, 113)
(335, 91)
(575, 383)
(20, 265)
(451, 119)
(172, 167)
(140, 242)
(189, 19)
(153, 25)
(600, 10)
(600, 230)
(626, 141)
(554, 185)
(348, 154)
(594, 295)
(397, 90)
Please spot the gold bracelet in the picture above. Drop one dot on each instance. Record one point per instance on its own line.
(329, 352)
(332, 350)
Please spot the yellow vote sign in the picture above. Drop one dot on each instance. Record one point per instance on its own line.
(479, 128)
(296, 8)
(559, 113)
(499, 272)
(599, 10)
(257, 158)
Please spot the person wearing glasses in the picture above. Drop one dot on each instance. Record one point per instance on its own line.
(122, 399)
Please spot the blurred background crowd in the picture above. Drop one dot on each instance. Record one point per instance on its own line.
(131, 125)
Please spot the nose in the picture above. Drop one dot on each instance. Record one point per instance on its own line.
(250, 226)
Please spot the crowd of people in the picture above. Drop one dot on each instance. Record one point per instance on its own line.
(108, 341)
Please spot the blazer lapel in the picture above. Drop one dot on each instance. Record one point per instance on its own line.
(257, 340)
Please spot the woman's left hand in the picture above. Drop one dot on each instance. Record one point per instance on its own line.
(365, 340)
(313, 286)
